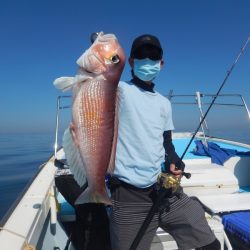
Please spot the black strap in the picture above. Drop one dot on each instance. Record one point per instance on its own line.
(114, 182)
(161, 195)
(68, 242)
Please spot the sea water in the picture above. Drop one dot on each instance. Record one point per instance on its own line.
(21, 155)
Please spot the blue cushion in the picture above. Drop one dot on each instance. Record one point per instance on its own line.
(65, 207)
(244, 189)
(239, 225)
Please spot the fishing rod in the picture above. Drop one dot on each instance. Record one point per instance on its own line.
(163, 191)
(215, 97)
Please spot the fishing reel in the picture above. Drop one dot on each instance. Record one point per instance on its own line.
(168, 181)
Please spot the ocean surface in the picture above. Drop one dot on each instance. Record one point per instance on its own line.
(21, 155)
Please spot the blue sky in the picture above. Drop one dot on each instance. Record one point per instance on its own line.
(41, 40)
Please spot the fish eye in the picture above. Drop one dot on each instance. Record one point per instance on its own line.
(115, 59)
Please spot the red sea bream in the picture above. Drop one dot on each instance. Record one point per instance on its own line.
(94, 125)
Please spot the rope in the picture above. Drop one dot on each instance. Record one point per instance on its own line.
(27, 245)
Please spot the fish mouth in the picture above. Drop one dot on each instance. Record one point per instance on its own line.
(106, 37)
(94, 63)
(98, 59)
(88, 71)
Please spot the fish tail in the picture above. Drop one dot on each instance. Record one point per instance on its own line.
(89, 196)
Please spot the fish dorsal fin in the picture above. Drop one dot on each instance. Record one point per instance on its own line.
(111, 166)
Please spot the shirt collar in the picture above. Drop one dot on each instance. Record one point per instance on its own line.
(141, 84)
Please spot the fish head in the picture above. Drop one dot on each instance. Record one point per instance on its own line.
(104, 56)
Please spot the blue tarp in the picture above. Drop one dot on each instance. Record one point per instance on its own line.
(218, 154)
(238, 224)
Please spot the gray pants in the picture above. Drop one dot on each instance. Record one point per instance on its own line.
(184, 220)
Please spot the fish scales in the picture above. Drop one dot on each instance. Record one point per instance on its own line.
(95, 114)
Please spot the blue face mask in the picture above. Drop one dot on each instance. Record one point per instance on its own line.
(146, 69)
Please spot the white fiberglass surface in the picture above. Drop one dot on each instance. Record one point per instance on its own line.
(226, 202)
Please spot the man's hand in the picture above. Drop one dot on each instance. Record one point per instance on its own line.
(177, 173)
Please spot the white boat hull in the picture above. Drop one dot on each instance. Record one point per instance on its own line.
(35, 220)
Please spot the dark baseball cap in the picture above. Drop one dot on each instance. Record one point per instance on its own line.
(146, 46)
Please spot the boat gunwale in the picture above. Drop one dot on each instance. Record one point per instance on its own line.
(200, 135)
(17, 201)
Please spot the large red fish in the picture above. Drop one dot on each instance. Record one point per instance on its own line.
(93, 126)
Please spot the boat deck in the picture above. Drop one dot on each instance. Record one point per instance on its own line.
(36, 220)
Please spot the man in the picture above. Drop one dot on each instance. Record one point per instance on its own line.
(144, 136)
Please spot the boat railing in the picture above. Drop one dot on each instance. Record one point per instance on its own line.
(60, 106)
(198, 100)
(212, 96)
(200, 103)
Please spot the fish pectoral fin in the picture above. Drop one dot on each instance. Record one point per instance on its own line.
(64, 83)
(72, 128)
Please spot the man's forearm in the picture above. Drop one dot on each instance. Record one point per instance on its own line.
(169, 147)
